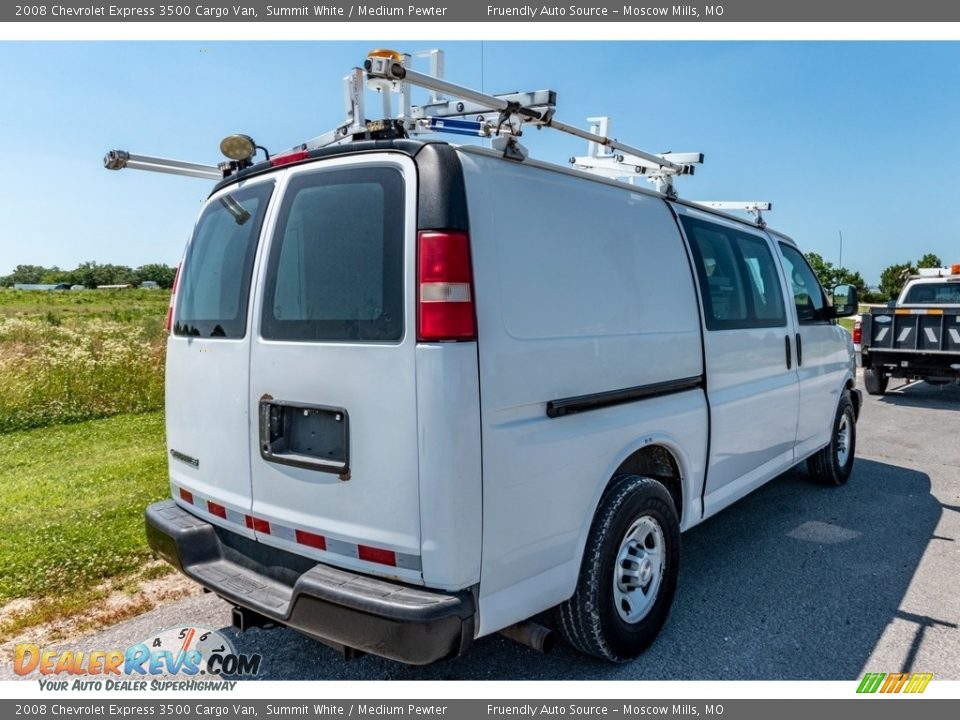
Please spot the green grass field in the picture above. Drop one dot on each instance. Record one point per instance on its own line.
(78, 355)
(72, 510)
(73, 487)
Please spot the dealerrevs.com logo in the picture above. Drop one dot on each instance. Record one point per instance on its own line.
(185, 652)
(913, 683)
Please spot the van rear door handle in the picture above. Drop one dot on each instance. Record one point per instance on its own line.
(799, 351)
(786, 343)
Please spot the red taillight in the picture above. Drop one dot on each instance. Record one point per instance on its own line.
(168, 325)
(289, 158)
(856, 333)
(445, 308)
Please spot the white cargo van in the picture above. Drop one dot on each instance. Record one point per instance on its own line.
(418, 394)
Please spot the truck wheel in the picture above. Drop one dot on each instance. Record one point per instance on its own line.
(629, 572)
(833, 464)
(875, 382)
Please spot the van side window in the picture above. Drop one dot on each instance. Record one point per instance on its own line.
(807, 294)
(335, 270)
(214, 284)
(738, 277)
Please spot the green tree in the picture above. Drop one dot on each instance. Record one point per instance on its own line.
(31, 274)
(848, 277)
(930, 260)
(55, 276)
(159, 273)
(893, 279)
(824, 270)
(93, 274)
(831, 276)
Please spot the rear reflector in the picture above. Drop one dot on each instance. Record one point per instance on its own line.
(289, 158)
(445, 309)
(258, 524)
(214, 509)
(311, 540)
(186, 495)
(372, 554)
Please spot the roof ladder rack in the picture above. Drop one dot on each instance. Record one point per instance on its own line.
(455, 109)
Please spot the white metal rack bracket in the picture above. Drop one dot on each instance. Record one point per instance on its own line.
(755, 208)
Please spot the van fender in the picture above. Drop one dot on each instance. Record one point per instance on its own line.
(690, 510)
(850, 385)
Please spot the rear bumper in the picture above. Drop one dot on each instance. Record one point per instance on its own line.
(913, 363)
(389, 619)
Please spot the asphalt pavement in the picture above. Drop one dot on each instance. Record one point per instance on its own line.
(796, 581)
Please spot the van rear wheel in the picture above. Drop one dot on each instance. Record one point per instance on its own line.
(833, 464)
(628, 576)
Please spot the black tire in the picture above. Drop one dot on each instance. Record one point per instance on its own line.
(832, 465)
(875, 382)
(590, 620)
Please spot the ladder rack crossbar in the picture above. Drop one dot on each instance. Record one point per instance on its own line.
(120, 159)
(395, 71)
(540, 100)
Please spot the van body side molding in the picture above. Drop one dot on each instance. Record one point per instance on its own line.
(596, 401)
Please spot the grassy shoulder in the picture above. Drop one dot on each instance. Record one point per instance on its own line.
(72, 512)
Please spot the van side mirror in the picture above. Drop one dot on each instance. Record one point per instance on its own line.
(845, 301)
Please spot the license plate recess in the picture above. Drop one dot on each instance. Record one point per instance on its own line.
(315, 437)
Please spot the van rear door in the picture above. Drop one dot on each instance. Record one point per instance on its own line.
(333, 451)
(208, 355)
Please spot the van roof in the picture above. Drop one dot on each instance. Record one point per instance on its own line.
(414, 147)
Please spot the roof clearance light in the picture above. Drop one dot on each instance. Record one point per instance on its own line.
(384, 53)
(238, 147)
(955, 269)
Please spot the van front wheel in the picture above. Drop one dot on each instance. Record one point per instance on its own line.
(833, 464)
(629, 572)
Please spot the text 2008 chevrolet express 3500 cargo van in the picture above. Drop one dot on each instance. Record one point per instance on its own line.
(418, 393)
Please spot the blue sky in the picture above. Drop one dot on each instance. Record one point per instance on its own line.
(858, 137)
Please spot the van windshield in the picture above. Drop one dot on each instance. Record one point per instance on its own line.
(944, 293)
(214, 282)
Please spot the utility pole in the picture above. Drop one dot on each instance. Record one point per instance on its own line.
(840, 233)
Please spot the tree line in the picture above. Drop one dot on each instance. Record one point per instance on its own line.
(91, 274)
(892, 279)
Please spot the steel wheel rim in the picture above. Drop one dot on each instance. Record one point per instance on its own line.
(638, 572)
(843, 440)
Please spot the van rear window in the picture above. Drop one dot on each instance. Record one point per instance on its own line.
(214, 284)
(335, 271)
